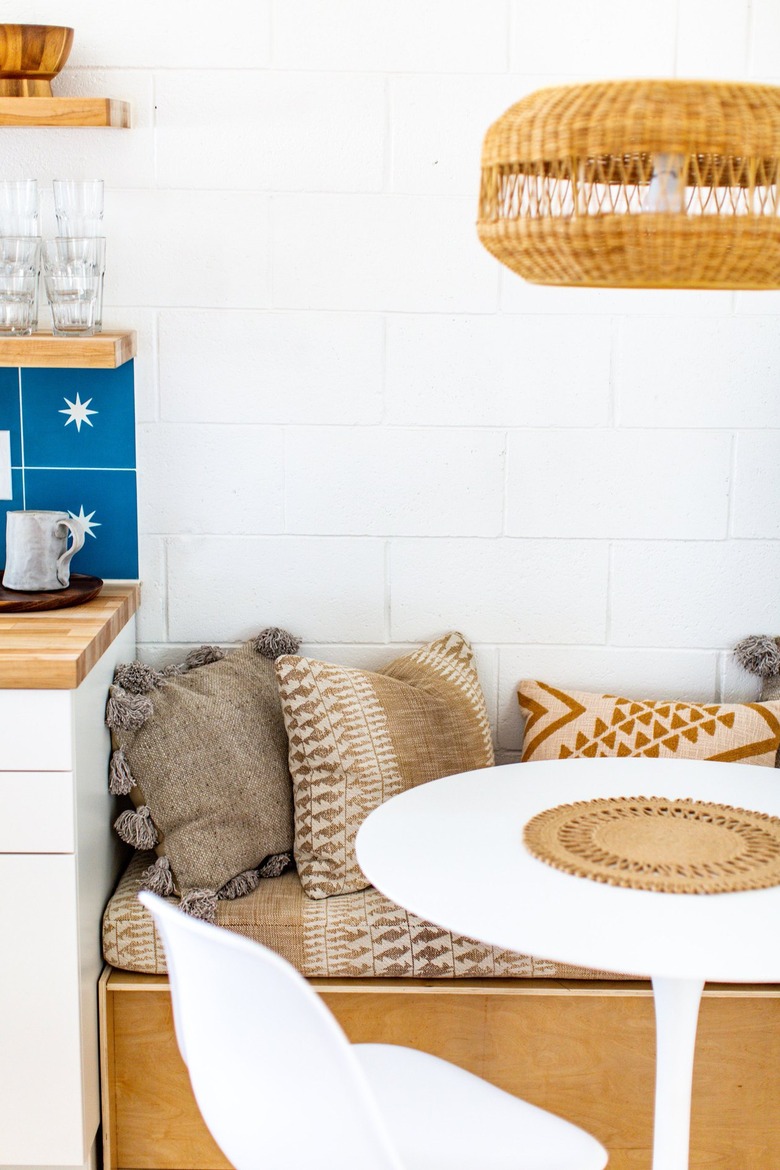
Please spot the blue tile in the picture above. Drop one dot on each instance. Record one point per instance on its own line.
(10, 419)
(79, 418)
(108, 500)
(14, 505)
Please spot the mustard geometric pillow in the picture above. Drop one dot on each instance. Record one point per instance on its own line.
(358, 737)
(575, 724)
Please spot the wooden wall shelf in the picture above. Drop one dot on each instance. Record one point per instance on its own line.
(104, 351)
(64, 111)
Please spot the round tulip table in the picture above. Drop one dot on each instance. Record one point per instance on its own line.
(438, 849)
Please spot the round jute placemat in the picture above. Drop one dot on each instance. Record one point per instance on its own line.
(651, 843)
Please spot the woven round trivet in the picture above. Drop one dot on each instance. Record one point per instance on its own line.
(650, 843)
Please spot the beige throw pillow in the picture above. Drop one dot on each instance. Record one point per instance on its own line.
(564, 724)
(358, 737)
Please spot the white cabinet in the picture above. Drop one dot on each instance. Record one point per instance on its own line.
(58, 865)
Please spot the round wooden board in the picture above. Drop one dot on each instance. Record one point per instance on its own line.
(81, 589)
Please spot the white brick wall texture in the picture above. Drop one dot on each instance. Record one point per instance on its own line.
(351, 420)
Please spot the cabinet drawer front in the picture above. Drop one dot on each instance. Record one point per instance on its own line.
(36, 731)
(41, 1095)
(37, 812)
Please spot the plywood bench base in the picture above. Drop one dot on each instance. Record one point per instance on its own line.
(584, 1050)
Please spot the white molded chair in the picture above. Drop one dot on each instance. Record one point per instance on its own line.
(279, 1084)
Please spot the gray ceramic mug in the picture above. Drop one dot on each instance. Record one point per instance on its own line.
(37, 557)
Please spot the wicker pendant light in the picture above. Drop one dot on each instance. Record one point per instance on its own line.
(637, 184)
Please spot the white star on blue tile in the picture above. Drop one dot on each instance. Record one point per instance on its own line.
(86, 521)
(78, 412)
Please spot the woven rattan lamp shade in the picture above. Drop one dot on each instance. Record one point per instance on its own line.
(637, 184)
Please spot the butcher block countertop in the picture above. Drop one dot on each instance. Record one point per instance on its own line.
(55, 649)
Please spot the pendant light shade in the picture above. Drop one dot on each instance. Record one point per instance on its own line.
(637, 184)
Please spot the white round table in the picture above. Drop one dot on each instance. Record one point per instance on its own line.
(437, 850)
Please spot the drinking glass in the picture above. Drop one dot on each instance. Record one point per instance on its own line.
(73, 301)
(20, 266)
(18, 303)
(19, 207)
(74, 255)
(78, 205)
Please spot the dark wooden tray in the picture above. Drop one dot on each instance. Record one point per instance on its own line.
(81, 589)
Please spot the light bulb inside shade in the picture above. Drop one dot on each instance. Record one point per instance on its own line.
(666, 190)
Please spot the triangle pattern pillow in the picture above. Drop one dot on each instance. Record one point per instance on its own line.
(563, 724)
(358, 737)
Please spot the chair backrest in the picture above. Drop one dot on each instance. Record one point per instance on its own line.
(274, 1076)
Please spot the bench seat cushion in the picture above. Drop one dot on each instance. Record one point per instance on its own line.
(354, 935)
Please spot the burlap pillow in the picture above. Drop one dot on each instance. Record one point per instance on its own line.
(358, 737)
(202, 751)
(567, 724)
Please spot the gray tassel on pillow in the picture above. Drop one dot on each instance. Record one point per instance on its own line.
(138, 678)
(126, 712)
(136, 828)
(274, 641)
(759, 654)
(158, 878)
(200, 904)
(203, 656)
(275, 865)
(120, 778)
(242, 883)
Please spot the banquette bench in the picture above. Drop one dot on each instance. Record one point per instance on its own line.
(574, 1041)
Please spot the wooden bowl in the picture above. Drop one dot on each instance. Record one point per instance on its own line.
(30, 55)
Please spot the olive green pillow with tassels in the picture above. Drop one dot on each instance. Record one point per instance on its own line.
(201, 749)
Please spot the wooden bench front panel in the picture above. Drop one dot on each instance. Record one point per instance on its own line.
(582, 1050)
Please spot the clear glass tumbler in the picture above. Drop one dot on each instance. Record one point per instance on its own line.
(20, 266)
(78, 205)
(76, 255)
(73, 301)
(19, 207)
(18, 303)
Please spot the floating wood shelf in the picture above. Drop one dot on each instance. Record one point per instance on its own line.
(104, 351)
(64, 111)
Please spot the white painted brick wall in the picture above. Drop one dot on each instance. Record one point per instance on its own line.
(352, 421)
(627, 484)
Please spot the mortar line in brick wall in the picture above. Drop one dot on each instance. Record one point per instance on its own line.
(383, 379)
(612, 410)
(311, 71)
(155, 171)
(387, 145)
(505, 484)
(166, 592)
(676, 52)
(730, 534)
(270, 249)
(459, 537)
(608, 613)
(510, 40)
(749, 25)
(271, 30)
(157, 378)
(720, 675)
(285, 448)
(388, 604)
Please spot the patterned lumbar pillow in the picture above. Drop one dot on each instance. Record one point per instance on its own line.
(358, 737)
(568, 724)
(201, 750)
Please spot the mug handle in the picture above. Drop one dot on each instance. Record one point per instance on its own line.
(78, 532)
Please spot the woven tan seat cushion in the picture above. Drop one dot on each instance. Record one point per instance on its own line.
(359, 737)
(353, 935)
(562, 724)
